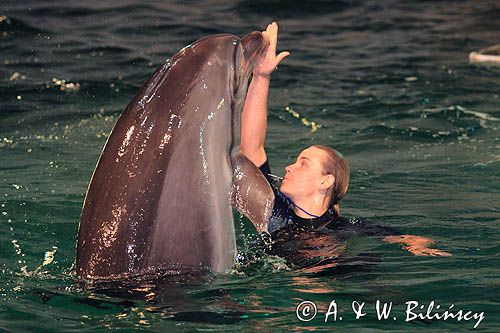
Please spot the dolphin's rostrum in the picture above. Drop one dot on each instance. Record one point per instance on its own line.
(161, 193)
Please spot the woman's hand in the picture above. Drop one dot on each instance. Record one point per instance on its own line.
(417, 245)
(266, 64)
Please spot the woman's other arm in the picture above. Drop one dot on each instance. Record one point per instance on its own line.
(418, 245)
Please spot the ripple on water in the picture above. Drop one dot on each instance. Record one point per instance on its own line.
(390, 86)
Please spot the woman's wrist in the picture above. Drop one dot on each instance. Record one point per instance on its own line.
(261, 77)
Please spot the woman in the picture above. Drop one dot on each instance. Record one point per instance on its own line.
(308, 198)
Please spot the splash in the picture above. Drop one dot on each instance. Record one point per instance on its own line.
(63, 85)
(311, 124)
(17, 76)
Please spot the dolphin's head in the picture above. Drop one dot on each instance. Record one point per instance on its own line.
(169, 148)
(251, 47)
(254, 45)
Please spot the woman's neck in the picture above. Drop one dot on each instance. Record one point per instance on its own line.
(316, 206)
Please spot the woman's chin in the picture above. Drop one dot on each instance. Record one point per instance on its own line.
(284, 189)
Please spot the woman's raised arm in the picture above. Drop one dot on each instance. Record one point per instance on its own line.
(254, 115)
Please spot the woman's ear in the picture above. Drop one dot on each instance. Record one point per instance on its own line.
(327, 181)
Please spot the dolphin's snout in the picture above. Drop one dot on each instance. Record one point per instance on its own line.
(254, 45)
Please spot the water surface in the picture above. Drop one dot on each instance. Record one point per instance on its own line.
(390, 87)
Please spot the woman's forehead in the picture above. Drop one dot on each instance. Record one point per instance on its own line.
(312, 153)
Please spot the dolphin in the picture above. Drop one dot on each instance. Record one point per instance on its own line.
(161, 194)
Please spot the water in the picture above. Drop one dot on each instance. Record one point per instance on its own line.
(387, 84)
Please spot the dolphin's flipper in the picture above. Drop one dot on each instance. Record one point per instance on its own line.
(252, 195)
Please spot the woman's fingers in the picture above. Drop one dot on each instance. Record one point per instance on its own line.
(266, 37)
(417, 245)
(278, 58)
(267, 63)
(273, 31)
(281, 56)
(441, 253)
(425, 251)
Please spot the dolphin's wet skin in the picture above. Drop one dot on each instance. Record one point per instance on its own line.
(162, 190)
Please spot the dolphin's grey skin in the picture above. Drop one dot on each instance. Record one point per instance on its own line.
(160, 195)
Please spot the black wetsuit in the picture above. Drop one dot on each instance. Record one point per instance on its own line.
(317, 244)
(284, 219)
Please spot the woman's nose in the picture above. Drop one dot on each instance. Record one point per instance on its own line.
(288, 168)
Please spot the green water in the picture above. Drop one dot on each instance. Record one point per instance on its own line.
(389, 84)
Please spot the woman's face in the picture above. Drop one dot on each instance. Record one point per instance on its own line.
(304, 177)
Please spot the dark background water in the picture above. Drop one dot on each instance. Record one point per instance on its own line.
(388, 81)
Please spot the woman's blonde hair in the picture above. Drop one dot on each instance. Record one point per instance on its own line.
(336, 165)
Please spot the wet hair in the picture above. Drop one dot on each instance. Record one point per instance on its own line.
(336, 165)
